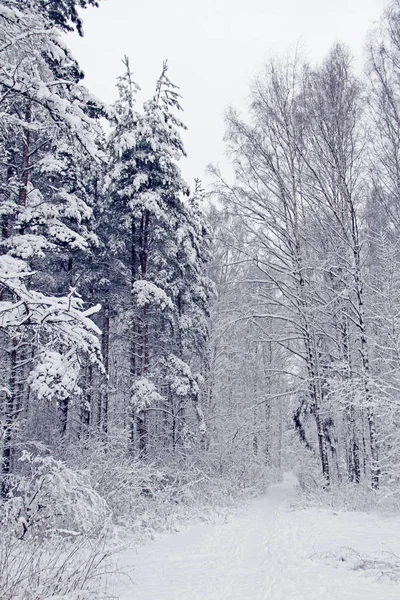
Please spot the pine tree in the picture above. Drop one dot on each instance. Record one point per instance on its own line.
(48, 137)
(161, 250)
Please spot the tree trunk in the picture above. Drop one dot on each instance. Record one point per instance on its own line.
(133, 340)
(314, 382)
(375, 469)
(144, 350)
(64, 410)
(87, 402)
(5, 232)
(105, 349)
(9, 417)
(23, 190)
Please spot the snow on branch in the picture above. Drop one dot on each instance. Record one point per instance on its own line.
(63, 329)
(147, 293)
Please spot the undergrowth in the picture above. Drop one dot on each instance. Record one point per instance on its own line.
(61, 524)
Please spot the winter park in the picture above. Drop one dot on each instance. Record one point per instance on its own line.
(200, 300)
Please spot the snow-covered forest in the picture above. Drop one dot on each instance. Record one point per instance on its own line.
(170, 348)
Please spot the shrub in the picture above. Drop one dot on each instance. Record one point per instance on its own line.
(51, 498)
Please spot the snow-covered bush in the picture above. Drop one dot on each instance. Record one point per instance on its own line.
(33, 569)
(51, 498)
(346, 496)
(152, 495)
(141, 495)
(53, 533)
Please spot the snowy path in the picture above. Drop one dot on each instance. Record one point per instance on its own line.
(266, 552)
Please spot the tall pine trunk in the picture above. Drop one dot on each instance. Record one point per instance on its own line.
(105, 349)
(144, 350)
(133, 340)
(23, 190)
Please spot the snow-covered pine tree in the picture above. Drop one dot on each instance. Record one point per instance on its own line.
(47, 137)
(161, 250)
(64, 13)
(191, 290)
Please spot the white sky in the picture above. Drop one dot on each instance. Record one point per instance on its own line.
(214, 49)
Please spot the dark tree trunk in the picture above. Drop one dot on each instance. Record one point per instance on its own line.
(105, 349)
(144, 351)
(86, 406)
(64, 410)
(23, 190)
(133, 341)
(373, 443)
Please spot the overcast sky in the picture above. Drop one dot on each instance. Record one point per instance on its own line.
(214, 49)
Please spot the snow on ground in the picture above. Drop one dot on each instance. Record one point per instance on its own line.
(269, 550)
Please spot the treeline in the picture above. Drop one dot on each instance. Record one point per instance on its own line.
(91, 221)
(125, 311)
(313, 239)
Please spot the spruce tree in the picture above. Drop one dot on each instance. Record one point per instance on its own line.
(160, 249)
(48, 136)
